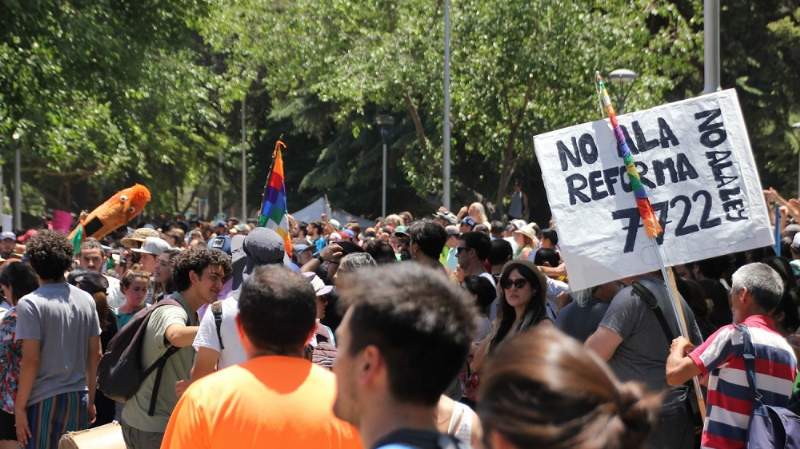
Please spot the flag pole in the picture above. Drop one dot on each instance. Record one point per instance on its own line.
(651, 225)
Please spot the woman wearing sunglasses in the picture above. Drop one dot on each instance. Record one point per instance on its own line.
(522, 305)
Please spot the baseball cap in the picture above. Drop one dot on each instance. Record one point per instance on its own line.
(347, 234)
(796, 242)
(88, 281)
(222, 243)
(469, 221)
(335, 223)
(220, 223)
(402, 230)
(300, 247)
(8, 235)
(320, 288)
(154, 246)
(262, 246)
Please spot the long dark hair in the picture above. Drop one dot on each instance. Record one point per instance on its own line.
(21, 278)
(535, 310)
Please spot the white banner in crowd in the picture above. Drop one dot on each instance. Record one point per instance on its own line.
(696, 164)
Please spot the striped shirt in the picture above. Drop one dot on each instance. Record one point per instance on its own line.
(729, 402)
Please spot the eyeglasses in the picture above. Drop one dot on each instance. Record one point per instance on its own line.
(516, 283)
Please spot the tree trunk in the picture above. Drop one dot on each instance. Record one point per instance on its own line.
(414, 113)
(509, 162)
(191, 200)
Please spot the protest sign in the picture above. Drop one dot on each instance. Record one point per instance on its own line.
(696, 164)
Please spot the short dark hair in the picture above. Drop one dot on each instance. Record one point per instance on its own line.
(421, 322)
(381, 251)
(20, 278)
(501, 252)
(550, 234)
(196, 260)
(50, 254)
(277, 309)
(478, 241)
(497, 227)
(430, 236)
(91, 243)
(547, 255)
(483, 289)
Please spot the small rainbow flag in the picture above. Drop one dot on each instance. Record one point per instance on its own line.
(651, 224)
(273, 206)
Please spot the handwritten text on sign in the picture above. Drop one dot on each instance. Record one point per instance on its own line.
(695, 162)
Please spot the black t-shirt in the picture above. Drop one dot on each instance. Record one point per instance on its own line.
(419, 439)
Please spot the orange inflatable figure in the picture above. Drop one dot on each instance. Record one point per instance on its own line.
(117, 211)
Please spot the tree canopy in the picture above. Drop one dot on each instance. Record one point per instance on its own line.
(101, 94)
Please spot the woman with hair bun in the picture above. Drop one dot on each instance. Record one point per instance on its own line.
(542, 389)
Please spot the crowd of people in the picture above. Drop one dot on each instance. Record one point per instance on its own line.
(445, 331)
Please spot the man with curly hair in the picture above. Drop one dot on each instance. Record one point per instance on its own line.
(60, 333)
(199, 274)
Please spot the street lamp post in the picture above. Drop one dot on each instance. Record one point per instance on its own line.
(796, 126)
(623, 80)
(384, 121)
(244, 163)
(711, 46)
(446, 122)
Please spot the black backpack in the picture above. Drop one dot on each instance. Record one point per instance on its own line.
(120, 373)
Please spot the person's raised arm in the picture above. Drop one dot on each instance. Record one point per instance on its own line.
(180, 335)
(604, 342)
(680, 367)
(331, 253)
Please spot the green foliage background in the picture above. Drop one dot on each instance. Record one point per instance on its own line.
(100, 94)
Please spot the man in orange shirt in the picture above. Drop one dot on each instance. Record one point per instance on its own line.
(276, 399)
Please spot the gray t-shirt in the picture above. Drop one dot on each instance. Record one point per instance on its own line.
(178, 367)
(642, 355)
(579, 322)
(63, 318)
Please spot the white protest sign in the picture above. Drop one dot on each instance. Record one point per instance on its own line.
(696, 164)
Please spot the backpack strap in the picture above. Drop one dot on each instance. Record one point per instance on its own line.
(161, 362)
(652, 303)
(216, 310)
(749, 356)
(158, 365)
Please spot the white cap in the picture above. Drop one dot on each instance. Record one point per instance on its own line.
(153, 245)
(320, 288)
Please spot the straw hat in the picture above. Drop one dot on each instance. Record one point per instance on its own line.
(138, 237)
(528, 231)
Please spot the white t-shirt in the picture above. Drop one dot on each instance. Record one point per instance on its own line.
(233, 354)
(554, 288)
(326, 332)
(494, 305)
(114, 294)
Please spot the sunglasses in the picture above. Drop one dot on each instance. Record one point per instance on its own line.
(516, 283)
(461, 250)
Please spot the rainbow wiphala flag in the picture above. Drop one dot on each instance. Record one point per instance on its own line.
(651, 224)
(273, 207)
